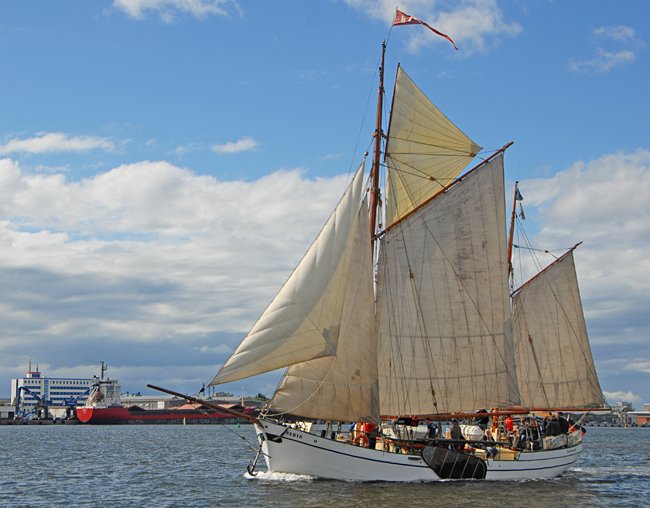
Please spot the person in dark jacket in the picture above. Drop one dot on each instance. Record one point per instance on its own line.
(564, 424)
(553, 427)
(456, 433)
(432, 430)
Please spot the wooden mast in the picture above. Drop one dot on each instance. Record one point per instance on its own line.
(374, 181)
(512, 227)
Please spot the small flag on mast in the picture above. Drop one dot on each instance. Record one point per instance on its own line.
(518, 196)
(404, 19)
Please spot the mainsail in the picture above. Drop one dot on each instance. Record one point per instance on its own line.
(425, 151)
(445, 343)
(303, 322)
(555, 367)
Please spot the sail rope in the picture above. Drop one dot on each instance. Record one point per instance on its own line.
(406, 404)
(242, 437)
(418, 173)
(475, 305)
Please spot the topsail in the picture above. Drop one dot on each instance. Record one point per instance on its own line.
(425, 150)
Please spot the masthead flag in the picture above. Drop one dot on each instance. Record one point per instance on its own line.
(404, 19)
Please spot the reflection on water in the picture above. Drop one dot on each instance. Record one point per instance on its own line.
(204, 465)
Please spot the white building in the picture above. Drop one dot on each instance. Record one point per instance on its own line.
(6, 410)
(57, 394)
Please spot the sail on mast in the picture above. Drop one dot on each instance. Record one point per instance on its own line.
(303, 320)
(444, 331)
(555, 367)
(425, 151)
(344, 387)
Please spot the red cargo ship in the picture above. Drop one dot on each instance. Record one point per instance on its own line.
(135, 414)
(104, 407)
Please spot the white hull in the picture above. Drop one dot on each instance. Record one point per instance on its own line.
(288, 450)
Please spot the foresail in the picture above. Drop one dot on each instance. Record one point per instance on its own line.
(425, 151)
(303, 321)
(343, 387)
(445, 342)
(555, 367)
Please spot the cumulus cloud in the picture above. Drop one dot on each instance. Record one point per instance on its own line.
(49, 142)
(619, 396)
(640, 365)
(241, 145)
(603, 202)
(168, 10)
(604, 60)
(146, 261)
(159, 270)
(473, 24)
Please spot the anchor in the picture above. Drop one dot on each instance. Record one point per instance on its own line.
(252, 464)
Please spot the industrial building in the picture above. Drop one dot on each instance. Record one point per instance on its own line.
(44, 397)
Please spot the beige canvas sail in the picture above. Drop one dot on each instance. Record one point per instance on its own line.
(425, 151)
(303, 320)
(555, 368)
(445, 343)
(343, 387)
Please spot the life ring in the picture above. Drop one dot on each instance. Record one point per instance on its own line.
(361, 440)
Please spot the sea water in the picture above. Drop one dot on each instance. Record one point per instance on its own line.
(205, 465)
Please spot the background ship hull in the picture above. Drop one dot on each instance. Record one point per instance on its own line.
(119, 415)
(288, 450)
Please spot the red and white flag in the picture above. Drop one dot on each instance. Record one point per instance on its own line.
(404, 19)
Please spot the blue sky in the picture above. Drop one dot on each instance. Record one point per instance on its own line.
(165, 163)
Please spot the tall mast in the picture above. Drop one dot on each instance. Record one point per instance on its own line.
(374, 185)
(512, 227)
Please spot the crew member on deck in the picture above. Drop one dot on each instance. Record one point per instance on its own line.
(457, 434)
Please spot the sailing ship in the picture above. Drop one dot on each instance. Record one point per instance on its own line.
(402, 310)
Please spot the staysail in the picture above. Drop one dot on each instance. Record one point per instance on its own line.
(445, 343)
(303, 321)
(555, 367)
(343, 387)
(425, 151)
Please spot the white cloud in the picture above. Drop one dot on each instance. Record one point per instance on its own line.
(472, 24)
(146, 260)
(192, 254)
(604, 203)
(221, 349)
(167, 10)
(619, 396)
(640, 365)
(56, 142)
(619, 33)
(604, 61)
(150, 260)
(190, 147)
(241, 145)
